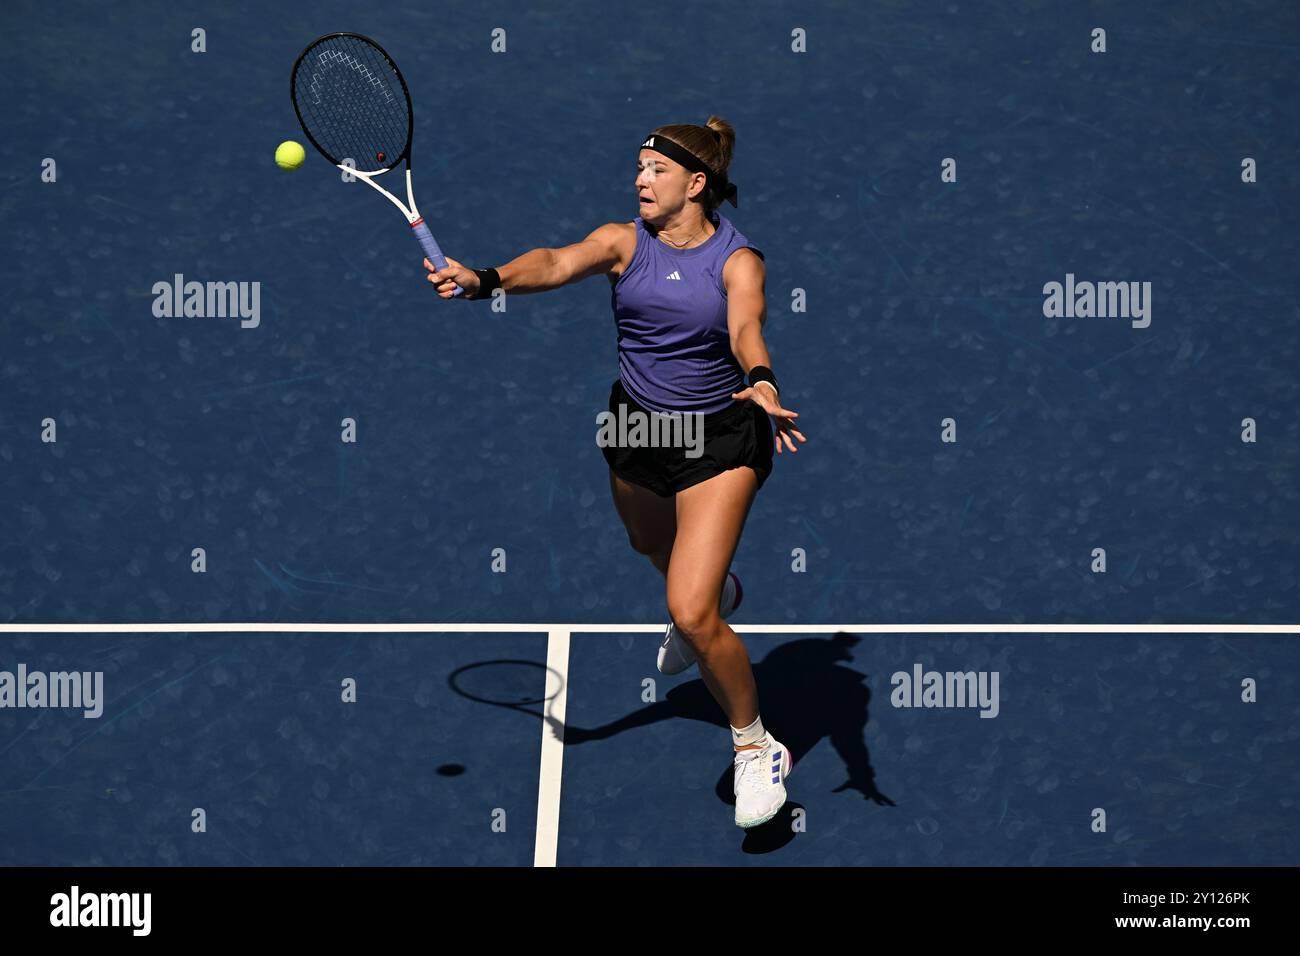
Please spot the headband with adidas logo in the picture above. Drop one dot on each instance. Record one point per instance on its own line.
(679, 154)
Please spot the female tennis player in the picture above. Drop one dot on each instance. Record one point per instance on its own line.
(687, 292)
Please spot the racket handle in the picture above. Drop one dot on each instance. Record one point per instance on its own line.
(431, 250)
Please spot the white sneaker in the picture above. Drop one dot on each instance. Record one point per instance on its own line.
(675, 655)
(759, 782)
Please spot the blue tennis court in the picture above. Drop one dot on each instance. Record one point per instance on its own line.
(251, 730)
(184, 477)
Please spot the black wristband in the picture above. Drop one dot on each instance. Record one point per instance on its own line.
(761, 373)
(488, 279)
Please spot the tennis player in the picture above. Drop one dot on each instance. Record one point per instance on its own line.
(687, 292)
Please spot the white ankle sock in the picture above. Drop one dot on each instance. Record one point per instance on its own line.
(753, 734)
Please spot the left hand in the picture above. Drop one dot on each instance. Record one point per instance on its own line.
(764, 397)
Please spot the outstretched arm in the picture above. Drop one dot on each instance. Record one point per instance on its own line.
(538, 270)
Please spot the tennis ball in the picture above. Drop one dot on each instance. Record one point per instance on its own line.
(289, 155)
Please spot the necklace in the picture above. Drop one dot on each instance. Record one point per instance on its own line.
(676, 245)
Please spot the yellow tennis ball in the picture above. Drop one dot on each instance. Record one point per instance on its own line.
(289, 155)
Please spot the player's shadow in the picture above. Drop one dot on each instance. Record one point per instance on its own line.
(806, 695)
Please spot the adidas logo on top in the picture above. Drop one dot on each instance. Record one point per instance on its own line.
(673, 275)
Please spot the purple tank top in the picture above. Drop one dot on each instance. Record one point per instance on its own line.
(670, 308)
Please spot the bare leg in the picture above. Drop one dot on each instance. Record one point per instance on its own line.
(710, 518)
(651, 521)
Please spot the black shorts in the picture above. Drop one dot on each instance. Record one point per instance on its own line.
(732, 438)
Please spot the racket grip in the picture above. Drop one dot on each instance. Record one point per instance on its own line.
(431, 250)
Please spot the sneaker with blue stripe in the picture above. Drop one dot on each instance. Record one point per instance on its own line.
(759, 782)
(675, 655)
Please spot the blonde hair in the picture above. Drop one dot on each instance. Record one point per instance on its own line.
(713, 143)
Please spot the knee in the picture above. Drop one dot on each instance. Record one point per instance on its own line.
(696, 618)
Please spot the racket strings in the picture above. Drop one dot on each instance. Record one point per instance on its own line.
(352, 103)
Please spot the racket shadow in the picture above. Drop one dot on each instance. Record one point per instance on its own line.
(527, 687)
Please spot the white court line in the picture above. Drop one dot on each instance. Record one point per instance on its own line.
(462, 628)
(549, 777)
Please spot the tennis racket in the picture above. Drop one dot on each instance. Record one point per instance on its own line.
(353, 103)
